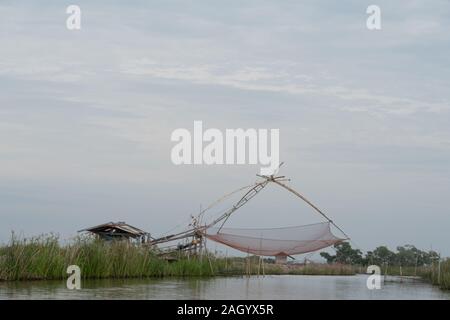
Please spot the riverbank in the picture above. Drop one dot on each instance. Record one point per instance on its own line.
(436, 274)
(44, 258)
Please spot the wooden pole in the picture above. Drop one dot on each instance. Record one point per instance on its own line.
(188, 254)
(210, 264)
(226, 261)
(248, 264)
(259, 265)
(259, 261)
(439, 271)
(264, 272)
(415, 268)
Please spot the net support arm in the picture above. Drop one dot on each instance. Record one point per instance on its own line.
(308, 202)
(249, 195)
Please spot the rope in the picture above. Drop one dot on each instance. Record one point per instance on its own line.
(244, 200)
(320, 212)
(312, 205)
(213, 204)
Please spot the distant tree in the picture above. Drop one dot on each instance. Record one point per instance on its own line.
(344, 254)
(407, 255)
(330, 259)
(382, 256)
(431, 257)
(369, 258)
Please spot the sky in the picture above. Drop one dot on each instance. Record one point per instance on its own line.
(364, 116)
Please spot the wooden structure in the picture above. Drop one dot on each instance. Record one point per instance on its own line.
(279, 242)
(118, 231)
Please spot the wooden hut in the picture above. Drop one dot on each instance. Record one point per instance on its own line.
(118, 231)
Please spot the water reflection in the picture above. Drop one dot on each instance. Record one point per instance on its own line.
(269, 287)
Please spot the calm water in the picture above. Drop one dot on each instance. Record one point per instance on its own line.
(270, 287)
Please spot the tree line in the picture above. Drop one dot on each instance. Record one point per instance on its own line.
(407, 255)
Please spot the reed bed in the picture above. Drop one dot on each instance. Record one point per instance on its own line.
(438, 275)
(324, 269)
(44, 258)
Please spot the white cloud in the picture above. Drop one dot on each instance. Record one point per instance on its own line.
(282, 81)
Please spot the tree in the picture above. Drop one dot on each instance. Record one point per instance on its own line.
(330, 259)
(344, 254)
(407, 255)
(382, 256)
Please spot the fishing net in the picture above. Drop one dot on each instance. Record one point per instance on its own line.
(276, 241)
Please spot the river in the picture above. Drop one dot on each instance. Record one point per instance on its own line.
(269, 287)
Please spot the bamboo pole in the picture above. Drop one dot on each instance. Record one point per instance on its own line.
(259, 265)
(439, 271)
(210, 264)
(226, 261)
(415, 268)
(248, 264)
(260, 247)
(309, 203)
(264, 273)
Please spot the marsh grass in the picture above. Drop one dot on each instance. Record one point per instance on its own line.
(429, 273)
(44, 258)
(438, 277)
(324, 269)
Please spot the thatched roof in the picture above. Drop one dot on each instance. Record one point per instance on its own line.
(116, 229)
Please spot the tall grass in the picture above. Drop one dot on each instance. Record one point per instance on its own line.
(324, 269)
(435, 274)
(44, 258)
(439, 275)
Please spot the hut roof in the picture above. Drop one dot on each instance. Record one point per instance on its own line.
(116, 229)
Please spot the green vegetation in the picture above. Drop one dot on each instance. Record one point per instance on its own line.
(44, 258)
(406, 256)
(438, 277)
(324, 269)
(406, 261)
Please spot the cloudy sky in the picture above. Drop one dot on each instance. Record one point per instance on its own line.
(364, 116)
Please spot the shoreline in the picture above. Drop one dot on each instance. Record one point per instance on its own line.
(44, 258)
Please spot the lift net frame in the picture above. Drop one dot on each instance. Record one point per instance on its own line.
(283, 241)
